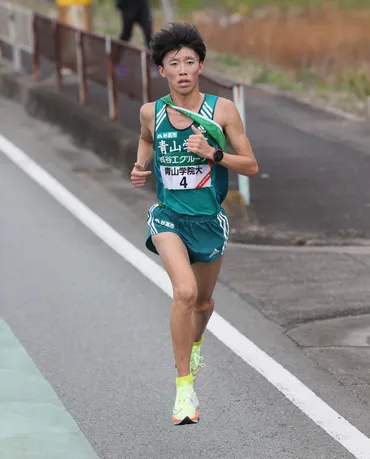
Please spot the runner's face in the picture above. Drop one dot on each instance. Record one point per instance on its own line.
(182, 69)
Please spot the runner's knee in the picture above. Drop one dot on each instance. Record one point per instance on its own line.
(204, 304)
(185, 297)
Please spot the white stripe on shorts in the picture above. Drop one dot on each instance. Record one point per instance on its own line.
(225, 228)
(153, 229)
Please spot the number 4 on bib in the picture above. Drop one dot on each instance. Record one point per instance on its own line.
(183, 182)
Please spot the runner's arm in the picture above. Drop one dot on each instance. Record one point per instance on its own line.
(145, 152)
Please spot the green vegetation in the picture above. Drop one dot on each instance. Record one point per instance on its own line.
(356, 82)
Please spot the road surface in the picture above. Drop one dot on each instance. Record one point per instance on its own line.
(97, 329)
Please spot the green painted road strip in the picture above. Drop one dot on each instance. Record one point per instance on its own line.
(34, 424)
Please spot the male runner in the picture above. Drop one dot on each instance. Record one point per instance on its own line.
(188, 228)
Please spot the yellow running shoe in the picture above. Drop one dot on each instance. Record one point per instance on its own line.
(196, 361)
(186, 404)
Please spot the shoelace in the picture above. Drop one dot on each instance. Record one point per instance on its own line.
(198, 360)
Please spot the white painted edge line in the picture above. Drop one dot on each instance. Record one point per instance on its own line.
(294, 390)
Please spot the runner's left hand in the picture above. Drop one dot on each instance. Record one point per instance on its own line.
(198, 144)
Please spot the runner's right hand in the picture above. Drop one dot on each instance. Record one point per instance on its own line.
(139, 175)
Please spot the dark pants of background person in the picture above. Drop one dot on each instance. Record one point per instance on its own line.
(139, 14)
(132, 12)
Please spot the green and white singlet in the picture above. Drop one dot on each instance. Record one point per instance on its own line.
(186, 183)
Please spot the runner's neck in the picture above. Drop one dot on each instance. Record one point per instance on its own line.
(192, 101)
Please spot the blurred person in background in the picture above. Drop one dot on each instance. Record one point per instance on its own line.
(134, 12)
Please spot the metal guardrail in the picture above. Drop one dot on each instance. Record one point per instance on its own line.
(119, 67)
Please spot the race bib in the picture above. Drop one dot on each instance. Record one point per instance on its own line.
(186, 177)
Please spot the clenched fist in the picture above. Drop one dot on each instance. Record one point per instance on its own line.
(198, 144)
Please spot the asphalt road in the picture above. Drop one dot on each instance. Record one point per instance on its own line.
(98, 329)
(314, 168)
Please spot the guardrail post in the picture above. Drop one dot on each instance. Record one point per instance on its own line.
(80, 55)
(17, 61)
(112, 93)
(36, 52)
(239, 100)
(149, 73)
(145, 76)
(57, 55)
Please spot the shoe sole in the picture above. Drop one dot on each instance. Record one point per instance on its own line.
(186, 421)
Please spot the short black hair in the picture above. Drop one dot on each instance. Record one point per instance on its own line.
(178, 35)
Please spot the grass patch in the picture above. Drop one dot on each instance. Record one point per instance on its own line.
(356, 82)
(275, 78)
(106, 18)
(229, 60)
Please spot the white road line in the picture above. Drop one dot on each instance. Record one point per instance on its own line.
(293, 389)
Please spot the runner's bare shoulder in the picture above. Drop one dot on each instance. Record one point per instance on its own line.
(147, 112)
(223, 110)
